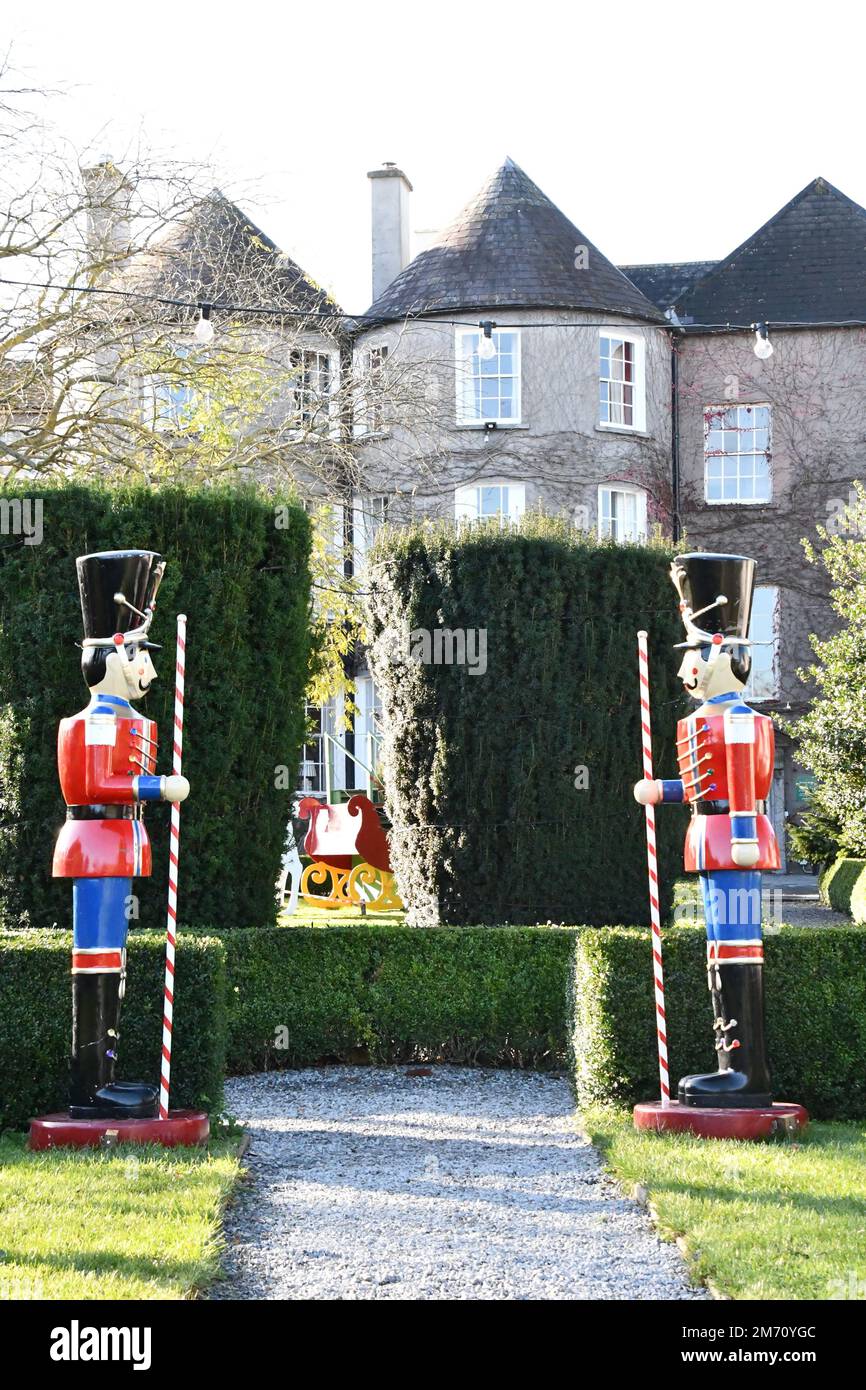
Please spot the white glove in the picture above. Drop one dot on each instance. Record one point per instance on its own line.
(176, 789)
(745, 856)
(647, 792)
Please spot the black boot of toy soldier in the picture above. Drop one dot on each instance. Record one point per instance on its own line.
(743, 1077)
(95, 1095)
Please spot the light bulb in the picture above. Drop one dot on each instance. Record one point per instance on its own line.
(204, 328)
(763, 347)
(486, 348)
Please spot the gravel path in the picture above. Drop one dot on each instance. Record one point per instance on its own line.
(372, 1183)
(806, 913)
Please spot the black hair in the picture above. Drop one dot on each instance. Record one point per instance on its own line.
(93, 664)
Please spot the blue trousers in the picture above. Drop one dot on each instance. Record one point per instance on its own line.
(732, 904)
(99, 917)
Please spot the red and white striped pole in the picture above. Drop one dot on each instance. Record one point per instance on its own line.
(173, 857)
(652, 866)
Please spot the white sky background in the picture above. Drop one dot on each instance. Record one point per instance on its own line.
(665, 131)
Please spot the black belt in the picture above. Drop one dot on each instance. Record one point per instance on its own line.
(722, 808)
(102, 812)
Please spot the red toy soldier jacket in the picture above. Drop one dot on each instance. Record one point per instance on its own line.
(727, 758)
(106, 755)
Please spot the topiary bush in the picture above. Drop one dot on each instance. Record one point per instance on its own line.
(816, 1016)
(243, 581)
(36, 1021)
(843, 887)
(482, 771)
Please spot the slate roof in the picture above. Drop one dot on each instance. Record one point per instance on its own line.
(218, 254)
(666, 283)
(806, 265)
(510, 247)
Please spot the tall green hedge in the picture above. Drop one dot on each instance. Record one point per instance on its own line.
(243, 582)
(816, 1016)
(480, 769)
(35, 1021)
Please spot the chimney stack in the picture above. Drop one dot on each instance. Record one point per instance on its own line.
(108, 194)
(390, 189)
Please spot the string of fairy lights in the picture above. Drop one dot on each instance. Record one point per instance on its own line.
(429, 317)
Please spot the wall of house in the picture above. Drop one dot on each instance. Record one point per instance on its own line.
(815, 384)
(557, 449)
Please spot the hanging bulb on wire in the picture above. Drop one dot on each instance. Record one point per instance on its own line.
(204, 328)
(763, 347)
(487, 347)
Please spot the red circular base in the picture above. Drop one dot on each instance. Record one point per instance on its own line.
(718, 1123)
(59, 1131)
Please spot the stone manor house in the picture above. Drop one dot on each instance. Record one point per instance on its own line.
(516, 367)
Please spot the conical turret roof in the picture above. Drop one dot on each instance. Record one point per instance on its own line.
(511, 247)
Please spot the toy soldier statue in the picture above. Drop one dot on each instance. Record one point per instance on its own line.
(725, 754)
(107, 759)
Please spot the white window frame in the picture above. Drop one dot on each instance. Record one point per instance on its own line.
(323, 415)
(169, 398)
(775, 619)
(171, 404)
(376, 358)
(460, 358)
(369, 514)
(313, 769)
(638, 342)
(712, 412)
(467, 500)
(368, 730)
(628, 490)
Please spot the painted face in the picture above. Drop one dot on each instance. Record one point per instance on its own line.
(703, 678)
(138, 671)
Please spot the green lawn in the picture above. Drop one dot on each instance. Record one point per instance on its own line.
(766, 1221)
(135, 1222)
(338, 917)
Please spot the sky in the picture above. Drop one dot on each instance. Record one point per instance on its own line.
(665, 131)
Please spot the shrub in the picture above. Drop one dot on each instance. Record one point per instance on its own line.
(485, 995)
(816, 1016)
(481, 769)
(36, 1021)
(831, 735)
(244, 583)
(843, 887)
(814, 839)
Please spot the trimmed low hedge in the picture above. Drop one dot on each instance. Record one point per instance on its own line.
(500, 996)
(494, 995)
(843, 887)
(816, 1015)
(36, 1021)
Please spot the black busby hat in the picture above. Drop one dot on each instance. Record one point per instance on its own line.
(118, 591)
(716, 598)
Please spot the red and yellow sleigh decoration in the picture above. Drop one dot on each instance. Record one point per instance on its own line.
(337, 835)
